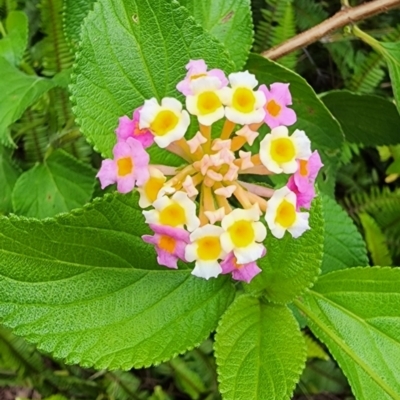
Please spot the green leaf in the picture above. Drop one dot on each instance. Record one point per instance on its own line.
(314, 349)
(291, 265)
(75, 12)
(19, 91)
(391, 53)
(13, 45)
(85, 287)
(229, 21)
(58, 185)
(260, 351)
(131, 51)
(312, 115)
(377, 119)
(356, 313)
(344, 246)
(376, 240)
(9, 174)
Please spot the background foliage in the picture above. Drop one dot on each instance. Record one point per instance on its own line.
(47, 167)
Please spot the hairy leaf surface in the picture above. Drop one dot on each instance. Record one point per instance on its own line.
(344, 246)
(132, 51)
(260, 351)
(60, 184)
(229, 21)
(356, 313)
(85, 287)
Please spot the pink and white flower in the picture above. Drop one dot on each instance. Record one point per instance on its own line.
(130, 128)
(276, 111)
(128, 169)
(197, 69)
(240, 272)
(170, 244)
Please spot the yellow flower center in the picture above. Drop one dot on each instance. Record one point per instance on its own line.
(152, 187)
(282, 150)
(243, 100)
(303, 168)
(285, 214)
(273, 108)
(209, 248)
(167, 243)
(242, 233)
(173, 215)
(164, 122)
(125, 166)
(208, 102)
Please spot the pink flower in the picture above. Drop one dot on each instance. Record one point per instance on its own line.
(130, 128)
(307, 171)
(240, 272)
(278, 97)
(303, 199)
(128, 168)
(197, 69)
(302, 181)
(170, 244)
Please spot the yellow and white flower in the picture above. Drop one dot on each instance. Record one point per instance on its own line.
(176, 211)
(243, 104)
(167, 122)
(279, 151)
(150, 190)
(242, 232)
(205, 248)
(281, 215)
(206, 101)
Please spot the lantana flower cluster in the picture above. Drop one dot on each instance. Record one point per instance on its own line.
(206, 211)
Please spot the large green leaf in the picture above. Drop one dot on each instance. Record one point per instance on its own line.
(377, 119)
(229, 21)
(260, 351)
(75, 12)
(344, 246)
(9, 174)
(356, 313)
(19, 91)
(85, 287)
(60, 184)
(13, 45)
(312, 115)
(291, 265)
(131, 51)
(391, 53)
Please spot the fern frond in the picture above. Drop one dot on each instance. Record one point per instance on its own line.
(17, 355)
(343, 55)
(376, 241)
(370, 73)
(276, 25)
(309, 13)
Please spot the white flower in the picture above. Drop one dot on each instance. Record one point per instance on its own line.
(167, 122)
(205, 248)
(279, 151)
(242, 232)
(243, 104)
(176, 211)
(150, 190)
(281, 215)
(206, 102)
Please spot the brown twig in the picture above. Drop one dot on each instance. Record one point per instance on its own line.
(342, 18)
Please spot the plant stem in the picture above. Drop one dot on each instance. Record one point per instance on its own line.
(344, 17)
